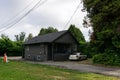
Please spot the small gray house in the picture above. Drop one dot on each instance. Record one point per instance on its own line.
(52, 46)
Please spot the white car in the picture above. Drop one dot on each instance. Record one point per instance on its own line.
(77, 56)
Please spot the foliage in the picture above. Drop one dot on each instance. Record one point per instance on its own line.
(20, 37)
(85, 48)
(16, 70)
(47, 30)
(11, 48)
(30, 36)
(5, 45)
(104, 18)
(3, 36)
(106, 59)
(77, 34)
(79, 37)
(17, 49)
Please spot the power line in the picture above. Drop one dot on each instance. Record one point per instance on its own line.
(15, 16)
(72, 15)
(16, 21)
(21, 17)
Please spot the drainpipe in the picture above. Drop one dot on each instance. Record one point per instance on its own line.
(52, 51)
(23, 50)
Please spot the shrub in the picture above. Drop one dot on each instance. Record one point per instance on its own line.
(106, 59)
(85, 48)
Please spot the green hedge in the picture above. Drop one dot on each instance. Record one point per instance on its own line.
(15, 53)
(106, 59)
(85, 48)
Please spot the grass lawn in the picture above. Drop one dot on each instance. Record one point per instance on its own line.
(15, 70)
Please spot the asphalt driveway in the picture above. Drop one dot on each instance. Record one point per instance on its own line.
(77, 66)
(83, 67)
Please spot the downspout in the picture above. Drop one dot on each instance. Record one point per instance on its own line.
(52, 51)
(23, 50)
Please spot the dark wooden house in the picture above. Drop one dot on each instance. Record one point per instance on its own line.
(52, 46)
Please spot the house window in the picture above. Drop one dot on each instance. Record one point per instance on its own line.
(28, 55)
(61, 48)
(41, 48)
(74, 47)
(27, 48)
(38, 57)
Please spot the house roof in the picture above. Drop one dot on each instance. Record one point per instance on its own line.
(47, 38)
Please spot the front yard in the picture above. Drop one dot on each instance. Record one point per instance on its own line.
(15, 70)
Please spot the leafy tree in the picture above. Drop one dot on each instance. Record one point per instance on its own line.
(30, 36)
(12, 48)
(77, 34)
(20, 37)
(3, 36)
(47, 30)
(79, 37)
(105, 19)
(17, 48)
(5, 44)
(18, 44)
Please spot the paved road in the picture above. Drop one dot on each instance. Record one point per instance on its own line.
(84, 67)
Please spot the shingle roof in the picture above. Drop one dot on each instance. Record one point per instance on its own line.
(47, 38)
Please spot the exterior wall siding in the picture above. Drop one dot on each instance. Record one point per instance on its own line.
(44, 51)
(67, 38)
(36, 52)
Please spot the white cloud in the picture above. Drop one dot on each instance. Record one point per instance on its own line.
(85, 32)
(54, 13)
(27, 28)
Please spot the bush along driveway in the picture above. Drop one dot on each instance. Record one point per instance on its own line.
(83, 67)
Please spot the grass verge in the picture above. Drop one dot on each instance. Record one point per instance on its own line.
(15, 70)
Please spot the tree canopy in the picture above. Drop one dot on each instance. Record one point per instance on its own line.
(104, 17)
(20, 37)
(77, 33)
(30, 36)
(47, 30)
(13, 48)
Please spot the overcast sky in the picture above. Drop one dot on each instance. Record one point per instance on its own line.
(55, 13)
